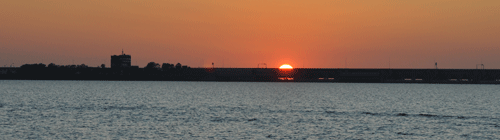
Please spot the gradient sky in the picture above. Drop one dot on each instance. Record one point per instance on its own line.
(244, 33)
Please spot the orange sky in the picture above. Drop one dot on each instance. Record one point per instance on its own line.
(244, 33)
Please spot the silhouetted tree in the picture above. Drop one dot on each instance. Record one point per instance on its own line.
(166, 66)
(152, 65)
(82, 66)
(178, 66)
(31, 66)
(103, 66)
(52, 65)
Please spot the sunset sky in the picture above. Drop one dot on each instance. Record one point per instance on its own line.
(244, 33)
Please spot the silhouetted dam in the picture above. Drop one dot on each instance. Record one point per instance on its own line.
(462, 76)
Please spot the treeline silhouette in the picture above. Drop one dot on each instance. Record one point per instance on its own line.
(150, 65)
(153, 65)
(152, 71)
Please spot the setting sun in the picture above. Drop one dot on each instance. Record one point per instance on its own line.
(286, 66)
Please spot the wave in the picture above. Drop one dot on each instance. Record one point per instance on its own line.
(425, 115)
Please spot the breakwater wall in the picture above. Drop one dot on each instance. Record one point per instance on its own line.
(461, 76)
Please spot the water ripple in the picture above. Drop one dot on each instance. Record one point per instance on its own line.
(212, 110)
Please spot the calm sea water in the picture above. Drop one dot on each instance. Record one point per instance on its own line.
(246, 110)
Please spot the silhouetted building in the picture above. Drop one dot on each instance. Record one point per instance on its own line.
(121, 61)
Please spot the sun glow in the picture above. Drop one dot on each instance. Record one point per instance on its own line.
(286, 66)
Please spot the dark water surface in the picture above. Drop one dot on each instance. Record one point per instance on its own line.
(246, 110)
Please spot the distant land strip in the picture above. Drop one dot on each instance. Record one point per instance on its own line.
(453, 76)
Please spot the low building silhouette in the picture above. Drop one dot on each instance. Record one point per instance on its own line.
(121, 61)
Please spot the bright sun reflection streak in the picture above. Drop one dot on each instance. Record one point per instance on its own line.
(286, 66)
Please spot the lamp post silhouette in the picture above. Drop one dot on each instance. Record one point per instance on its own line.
(258, 65)
(482, 66)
